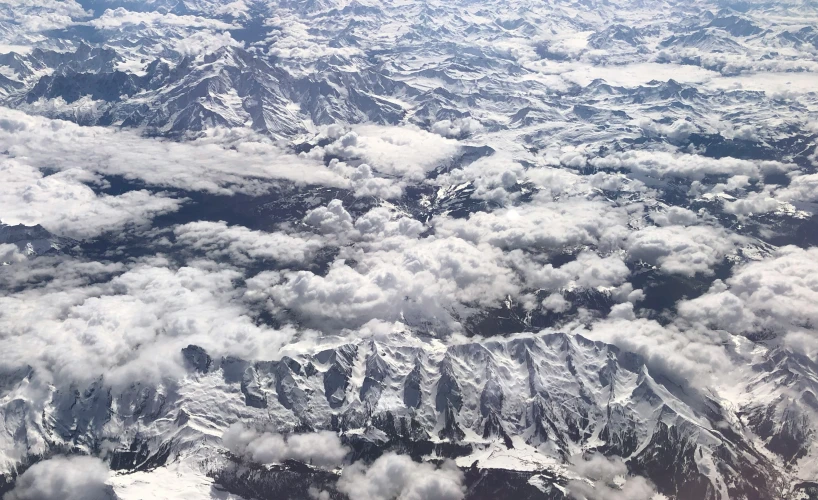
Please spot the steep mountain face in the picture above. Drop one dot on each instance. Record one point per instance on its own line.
(506, 403)
(784, 420)
(32, 240)
(547, 250)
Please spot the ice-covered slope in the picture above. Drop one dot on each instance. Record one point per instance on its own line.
(527, 403)
(415, 196)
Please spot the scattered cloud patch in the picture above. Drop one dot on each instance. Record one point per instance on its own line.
(66, 205)
(242, 245)
(397, 476)
(773, 296)
(227, 163)
(118, 17)
(322, 448)
(64, 478)
(608, 479)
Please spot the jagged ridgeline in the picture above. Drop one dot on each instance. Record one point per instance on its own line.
(526, 404)
(408, 249)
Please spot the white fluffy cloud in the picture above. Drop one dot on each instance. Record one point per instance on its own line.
(40, 15)
(322, 448)
(398, 477)
(64, 204)
(541, 225)
(406, 152)
(556, 303)
(115, 18)
(205, 42)
(692, 357)
(678, 130)
(130, 327)
(330, 219)
(680, 249)
(691, 166)
(776, 295)
(801, 188)
(64, 478)
(423, 283)
(588, 270)
(608, 479)
(364, 182)
(242, 245)
(459, 127)
(294, 40)
(379, 227)
(492, 177)
(206, 164)
(10, 254)
(387, 272)
(675, 216)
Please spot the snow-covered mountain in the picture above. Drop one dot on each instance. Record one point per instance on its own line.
(527, 403)
(408, 249)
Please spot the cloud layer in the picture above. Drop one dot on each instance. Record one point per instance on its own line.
(322, 449)
(397, 476)
(64, 478)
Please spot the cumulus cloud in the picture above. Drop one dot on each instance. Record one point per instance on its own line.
(407, 152)
(607, 478)
(685, 250)
(294, 40)
(330, 219)
(40, 15)
(675, 216)
(205, 42)
(322, 448)
(622, 311)
(386, 271)
(10, 254)
(801, 188)
(556, 303)
(380, 228)
(677, 131)
(380, 224)
(588, 270)
(457, 128)
(64, 204)
(242, 245)
(364, 181)
(660, 164)
(55, 273)
(691, 357)
(395, 476)
(493, 177)
(775, 296)
(129, 327)
(222, 162)
(64, 478)
(390, 269)
(118, 17)
(541, 225)
(423, 283)
(753, 203)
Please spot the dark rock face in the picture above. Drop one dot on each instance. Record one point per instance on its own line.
(411, 389)
(336, 378)
(196, 358)
(108, 87)
(253, 395)
(807, 490)
(292, 480)
(20, 232)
